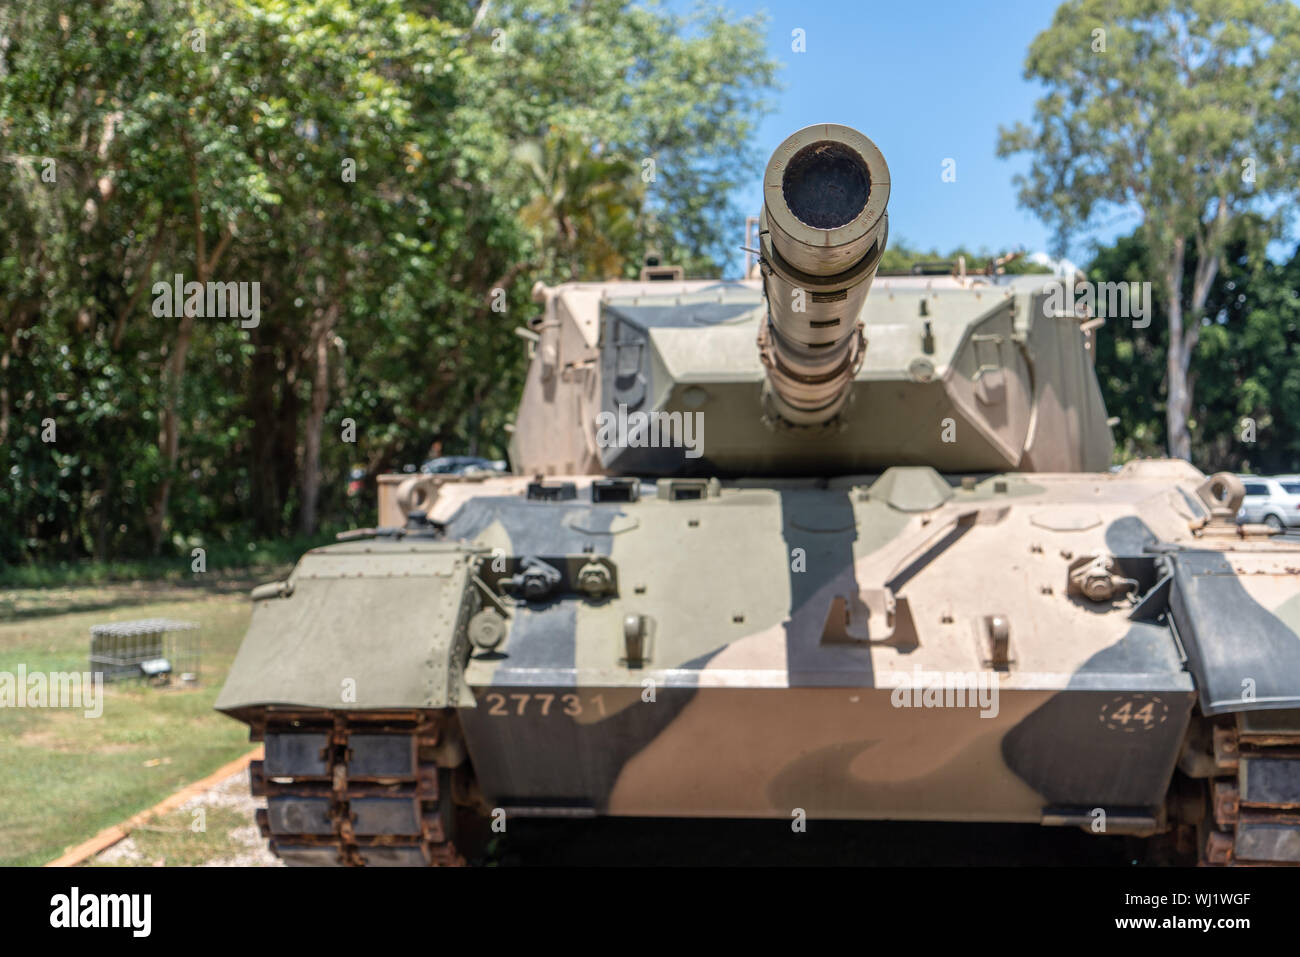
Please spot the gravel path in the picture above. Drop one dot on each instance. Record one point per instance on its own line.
(243, 845)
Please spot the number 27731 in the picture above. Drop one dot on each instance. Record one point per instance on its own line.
(520, 704)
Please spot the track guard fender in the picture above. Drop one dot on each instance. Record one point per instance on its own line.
(1241, 655)
(357, 627)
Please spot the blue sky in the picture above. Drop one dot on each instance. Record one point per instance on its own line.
(926, 81)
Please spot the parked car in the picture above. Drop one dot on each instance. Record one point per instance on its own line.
(461, 465)
(1273, 501)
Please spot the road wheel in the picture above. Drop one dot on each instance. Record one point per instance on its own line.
(1273, 522)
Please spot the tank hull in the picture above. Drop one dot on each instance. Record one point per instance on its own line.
(905, 646)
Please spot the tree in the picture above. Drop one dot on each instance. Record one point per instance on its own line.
(360, 161)
(1246, 371)
(585, 209)
(900, 258)
(1185, 111)
(1248, 383)
(676, 98)
(1130, 362)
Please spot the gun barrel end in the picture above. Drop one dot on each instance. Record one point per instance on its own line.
(825, 192)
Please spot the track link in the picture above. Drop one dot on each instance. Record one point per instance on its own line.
(354, 788)
(1255, 810)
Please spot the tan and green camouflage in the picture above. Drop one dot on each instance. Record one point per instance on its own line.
(934, 602)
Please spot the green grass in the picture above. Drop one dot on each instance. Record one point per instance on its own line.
(222, 560)
(65, 777)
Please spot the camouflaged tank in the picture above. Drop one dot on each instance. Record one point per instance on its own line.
(773, 548)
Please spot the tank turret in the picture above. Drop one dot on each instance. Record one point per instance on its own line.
(661, 377)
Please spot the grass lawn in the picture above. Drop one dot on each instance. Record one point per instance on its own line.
(64, 777)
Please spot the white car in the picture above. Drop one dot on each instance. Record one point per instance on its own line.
(1273, 501)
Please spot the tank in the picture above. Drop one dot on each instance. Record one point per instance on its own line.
(820, 543)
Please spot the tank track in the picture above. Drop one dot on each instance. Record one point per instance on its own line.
(1255, 810)
(361, 788)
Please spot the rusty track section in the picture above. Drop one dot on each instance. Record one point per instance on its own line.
(1256, 811)
(354, 788)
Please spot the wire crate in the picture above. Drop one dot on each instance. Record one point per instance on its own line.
(161, 651)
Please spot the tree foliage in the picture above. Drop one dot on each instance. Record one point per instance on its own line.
(901, 258)
(373, 165)
(1246, 371)
(1185, 111)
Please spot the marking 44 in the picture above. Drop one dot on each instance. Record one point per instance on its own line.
(1135, 712)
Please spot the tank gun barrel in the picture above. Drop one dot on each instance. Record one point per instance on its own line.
(823, 230)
